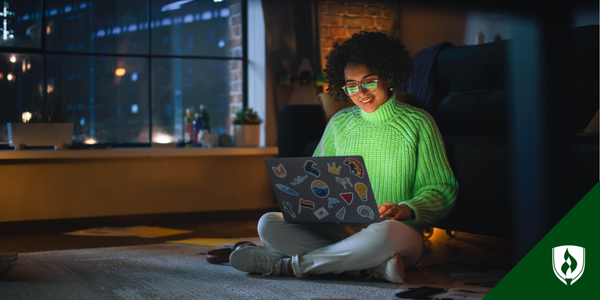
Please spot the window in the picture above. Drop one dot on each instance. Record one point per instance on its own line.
(130, 68)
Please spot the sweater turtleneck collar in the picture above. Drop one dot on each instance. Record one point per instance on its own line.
(386, 112)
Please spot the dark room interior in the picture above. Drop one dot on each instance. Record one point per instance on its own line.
(154, 92)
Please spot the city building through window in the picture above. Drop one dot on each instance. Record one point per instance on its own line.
(128, 69)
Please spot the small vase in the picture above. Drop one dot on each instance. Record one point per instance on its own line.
(246, 135)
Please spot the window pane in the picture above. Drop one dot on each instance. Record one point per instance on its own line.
(201, 28)
(109, 96)
(21, 23)
(178, 84)
(21, 81)
(99, 26)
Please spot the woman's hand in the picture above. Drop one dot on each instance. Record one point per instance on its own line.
(395, 211)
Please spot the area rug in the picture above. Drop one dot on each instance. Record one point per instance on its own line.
(160, 271)
(171, 271)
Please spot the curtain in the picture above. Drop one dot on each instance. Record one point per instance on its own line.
(291, 35)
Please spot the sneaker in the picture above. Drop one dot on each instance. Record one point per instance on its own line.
(256, 260)
(391, 270)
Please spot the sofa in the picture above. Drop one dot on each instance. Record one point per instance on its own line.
(465, 89)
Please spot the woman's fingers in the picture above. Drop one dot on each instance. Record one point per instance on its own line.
(386, 210)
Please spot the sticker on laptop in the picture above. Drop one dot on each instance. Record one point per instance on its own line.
(288, 208)
(319, 188)
(361, 189)
(309, 167)
(305, 204)
(298, 180)
(341, 214)
(343, 181)
(333, 169)
(279, 171)
(331, 202)
(365, 211)
(286, 189)
(321, 213)
(347, 197)
(355, 167)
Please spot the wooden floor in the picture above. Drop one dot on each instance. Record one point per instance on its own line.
(465, 251)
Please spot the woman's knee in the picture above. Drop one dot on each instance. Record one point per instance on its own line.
(396, 233)
(390, 228)
(407, 241)
(266, 223)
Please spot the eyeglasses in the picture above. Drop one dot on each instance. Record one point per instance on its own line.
(353, 89)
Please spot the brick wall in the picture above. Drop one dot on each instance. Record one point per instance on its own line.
(235, 66)
(338, 20)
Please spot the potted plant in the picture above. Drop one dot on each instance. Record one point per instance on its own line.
(246, 128)
(47, 125)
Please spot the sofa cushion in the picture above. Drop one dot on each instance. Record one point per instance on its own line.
(475, 77)
(476, 112)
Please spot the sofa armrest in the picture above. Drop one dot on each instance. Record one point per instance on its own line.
(297, 126)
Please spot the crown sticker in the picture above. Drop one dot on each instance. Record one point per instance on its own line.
(333, 169)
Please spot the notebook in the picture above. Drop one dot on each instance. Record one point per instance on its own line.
(323, 189)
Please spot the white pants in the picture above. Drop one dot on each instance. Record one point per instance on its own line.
(318, 248)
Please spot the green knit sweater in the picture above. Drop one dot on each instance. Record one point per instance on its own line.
(404, 156)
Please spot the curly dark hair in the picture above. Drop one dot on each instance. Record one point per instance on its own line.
(378, 52)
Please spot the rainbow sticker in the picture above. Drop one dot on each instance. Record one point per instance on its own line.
(305, 204)
(319, 188)
(355, 167)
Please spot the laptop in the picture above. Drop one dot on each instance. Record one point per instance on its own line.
(323, 189)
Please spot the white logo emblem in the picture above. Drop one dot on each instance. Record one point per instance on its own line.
(568, 263)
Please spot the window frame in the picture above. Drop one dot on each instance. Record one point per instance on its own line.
(149, 56)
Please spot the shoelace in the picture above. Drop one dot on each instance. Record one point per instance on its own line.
(376, 272)
(265, 263)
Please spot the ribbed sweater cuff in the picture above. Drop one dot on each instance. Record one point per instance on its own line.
(418, 205)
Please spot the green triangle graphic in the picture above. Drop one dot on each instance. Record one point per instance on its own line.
(534, 278)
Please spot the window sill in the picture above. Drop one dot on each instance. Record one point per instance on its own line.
(135, 152)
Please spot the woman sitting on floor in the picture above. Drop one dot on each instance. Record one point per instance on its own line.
(411, 179)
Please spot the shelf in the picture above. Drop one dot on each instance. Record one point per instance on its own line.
(135, 152)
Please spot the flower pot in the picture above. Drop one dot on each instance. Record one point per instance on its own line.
(59, 135)
(246, 135)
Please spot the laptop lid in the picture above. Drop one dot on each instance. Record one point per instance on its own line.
(323, 189)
